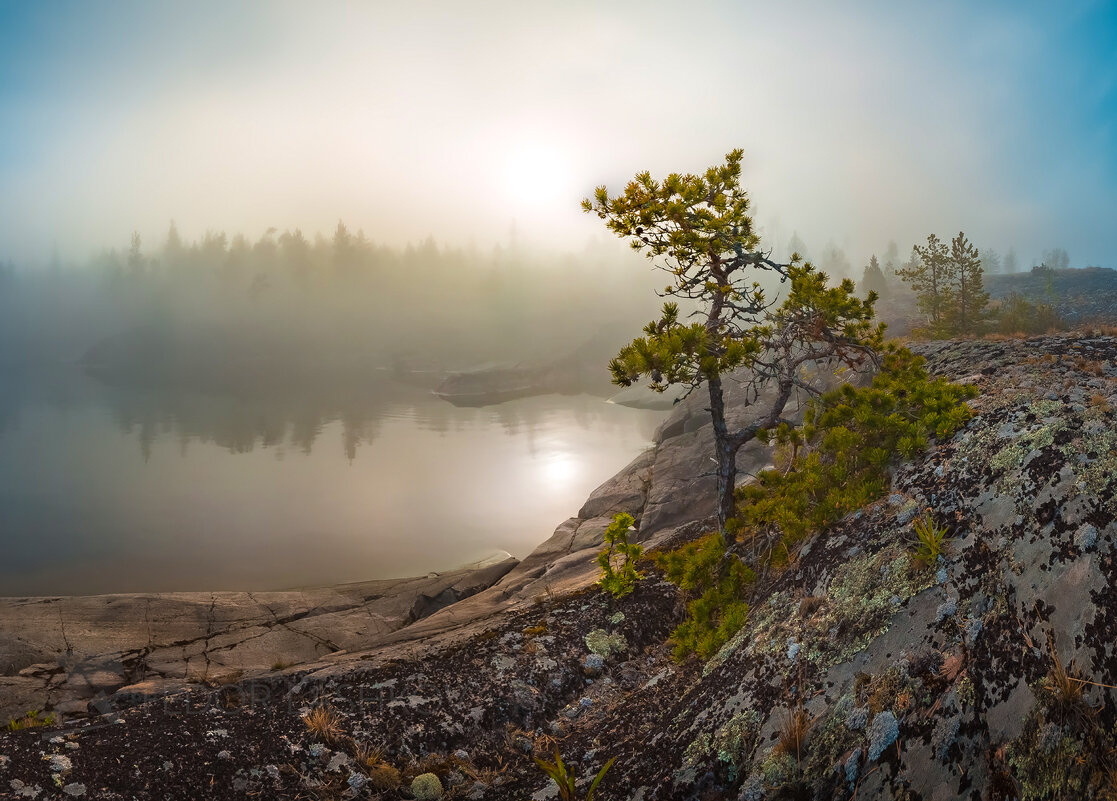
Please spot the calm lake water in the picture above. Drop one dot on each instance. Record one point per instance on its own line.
(108, 488)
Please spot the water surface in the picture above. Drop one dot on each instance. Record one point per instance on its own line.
(109, 488)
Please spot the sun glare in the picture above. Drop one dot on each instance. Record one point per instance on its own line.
(536, 175)
(559, 469)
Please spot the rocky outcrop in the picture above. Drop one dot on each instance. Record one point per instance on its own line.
(66, 655)
(669, 489)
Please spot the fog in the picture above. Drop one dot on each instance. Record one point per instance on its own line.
(463, 122)
(241, 243)
(226, 311)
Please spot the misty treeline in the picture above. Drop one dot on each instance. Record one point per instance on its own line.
(288, 302)
(941, 283)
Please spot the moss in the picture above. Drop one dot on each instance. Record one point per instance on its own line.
(1047, 762)
(699, 750)
(858, 607)
(863, 598)
(965, 691)
(735, 741)
(1099, 474)
(426, 787)
(383, 776)
(602, 643)
(1012, 457)
(832, 741)
(778, 768)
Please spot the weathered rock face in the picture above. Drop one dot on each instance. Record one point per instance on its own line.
(940, 681)
(950, 680)
(59, 654)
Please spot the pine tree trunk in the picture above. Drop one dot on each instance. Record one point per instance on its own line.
(726, 454)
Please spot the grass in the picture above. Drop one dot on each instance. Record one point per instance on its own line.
(809, 605)
(368, 755)
(1067, 687)
(325, 723)
(793, 733)
(31, 720)
(1089, 366)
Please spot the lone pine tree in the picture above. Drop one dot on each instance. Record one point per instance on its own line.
(698, 230)
(969, 295)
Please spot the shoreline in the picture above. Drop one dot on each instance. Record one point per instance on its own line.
(72, 654)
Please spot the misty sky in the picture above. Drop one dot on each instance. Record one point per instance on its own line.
(860, 123)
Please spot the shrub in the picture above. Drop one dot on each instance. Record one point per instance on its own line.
(618, 559)
(843, 454)
(839, 460)
(1017, 315)
(716, 581)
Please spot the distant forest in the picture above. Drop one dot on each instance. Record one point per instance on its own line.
(292, 305)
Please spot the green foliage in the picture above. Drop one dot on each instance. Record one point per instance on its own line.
(31, 720)
(618, 559)
(1017, 315)
(700, 226)
(716, 581)
(873, 279)
(841, 459)
(930, 540)
(565, 781)
(948, 285)
(966, 314)
(699, 229)
(928, 273)
(843, 454)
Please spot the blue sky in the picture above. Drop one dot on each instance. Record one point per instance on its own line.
(862, 123)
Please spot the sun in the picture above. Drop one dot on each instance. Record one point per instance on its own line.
(536, 176)
(559, 469)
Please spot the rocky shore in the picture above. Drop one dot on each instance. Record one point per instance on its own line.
(69, 655)
(987, 675)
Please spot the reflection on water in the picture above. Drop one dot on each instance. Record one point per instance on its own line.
(115, 489)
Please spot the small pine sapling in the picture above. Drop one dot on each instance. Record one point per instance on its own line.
(930, 540)
(565, 779)
(618, 558)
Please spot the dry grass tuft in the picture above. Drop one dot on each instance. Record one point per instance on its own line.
(809, 605)
(1067, 687)
(325, 723)
(793, 733)
(1089, 366)
(367, 755)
